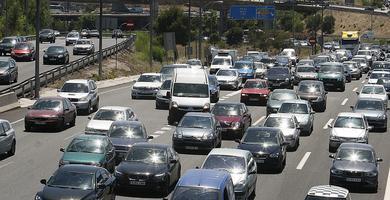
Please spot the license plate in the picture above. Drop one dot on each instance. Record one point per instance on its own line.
(191, 148)
(40, 123)
(259, 160)
(328, 83)
(354, 179)
(253, 99)
(52, 59)
(137, 183)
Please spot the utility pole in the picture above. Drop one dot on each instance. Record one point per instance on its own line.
(189, 30)
(151, 13)
(322, 26)
(293, 19)
(6, 17)
(200, 31)
(100, 38)
(25, 14)
(37, 28)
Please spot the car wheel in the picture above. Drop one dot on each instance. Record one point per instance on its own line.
(280, 166)
(60, 125)
(165, 190)
(89, 108)
(96, 106)
(133, 97)
(27, 127)
(73, 122)
(12, 151)
(158, 107)
(171, 121)
(342, 88)
(16, 77)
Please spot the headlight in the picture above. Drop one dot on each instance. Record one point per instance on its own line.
(336, 171)
(118, 173)
(83, 99)
(207, 136)
(60, 56)
(382, 117)
(37, 197)
(333, 137)
(45, 56)
(206, 107)
(244, 95)
(236, 125)
(274, 155)
(174, 104)
(371, 174)
(178, 135)
(162, 175)
(97, 164)
(287, 79)
(361, 139)
(320, 98)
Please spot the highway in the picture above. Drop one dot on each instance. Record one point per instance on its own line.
(27, 69)
(37, 153)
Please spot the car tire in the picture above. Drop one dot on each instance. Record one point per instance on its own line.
(158, 107)
(73, 122)
(165, 189)
(171, 121)
(96, 106)
(331, 149)
(16, 78)
(133, 97)
(61, 125)
(27, 127)
(89, 108)
(12, 151)
(280, 166)
(342, 88)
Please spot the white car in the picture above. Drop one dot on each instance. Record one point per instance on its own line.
(240, 164)
(84, 46)
(147, 85)
(229, 78)
(195, 63)
(374, 91)
(328, 192)
(72, 38)
(375, 75)
(348, 127)
(221, 62)
(291, 54)
(367, 54)
(101, 121)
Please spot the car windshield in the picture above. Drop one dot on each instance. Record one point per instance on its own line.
(281, 122)
(310, 197)
(331, 69)
(226, 73)
(45, 31)
(147, 155)
(195, 193)
(383, 81)
(263, 137)
(242, 65)
(75, 88)
(282, 60)
(255, 84)
(47, 104)
(369, 105)
(191, 90)
(232, 164)
(221, 61)
(126, 131)
(55, 49)
(73, 35)
(318, 60)
(306, 62)
(226, 110)
(3, 64)
(21, 46)
(84, 145)
(373, 90)
(83, 42)
(309, 88)
(72, 180)
(379, 75)
(306, 69)
(357, 155)
(110, 115)
(282, 96)
(349, 122)
(195, 122)
(166, 85)
(194, 62)
(277, 71)
(296, 108)
(149, 78)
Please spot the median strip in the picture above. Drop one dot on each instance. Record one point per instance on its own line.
(303, 161)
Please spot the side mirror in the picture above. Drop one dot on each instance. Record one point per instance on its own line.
(89, 117)
(173, 161)
(58, 90)
(101, 186)
(387, 108)
(326, 92)
(43, 181)
(62, 149)
(329, 126)
(150, 137)
(238, 141)
(379, 159)
(367, 77)
(331, 156)
(92, 91)
(357, 93)
(285, 143)
(44, 51)
(312, 112)
(169, 94)
(197, 167)
(29, 107)
(253, 171)
(352, 107)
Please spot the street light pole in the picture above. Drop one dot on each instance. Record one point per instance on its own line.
(151, 13)
(100, 39)
(322, 27)
(200, 31)
(37, 28)
(189, 30)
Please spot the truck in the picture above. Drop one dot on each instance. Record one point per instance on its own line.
(350, 40)
(222, 59)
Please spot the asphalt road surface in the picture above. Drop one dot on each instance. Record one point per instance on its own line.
(37, 153)
(27, 69)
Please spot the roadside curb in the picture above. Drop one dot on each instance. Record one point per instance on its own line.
(8, 102)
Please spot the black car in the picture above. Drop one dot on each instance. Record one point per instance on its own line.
(7, 44)
(149, 167)
(47, 35)
(56, 54)
(214, 89)
(355, 164)
(279, 77)
(93, 33)
(8, 70)
(124, 134)
(385, 81)
(78, 182)
(267, 146)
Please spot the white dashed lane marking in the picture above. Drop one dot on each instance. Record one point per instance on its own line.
(363, 81)
(387, 192)
(17, 121)
(6, 164)
(166, 128)
(159, 132)
(344, 102)
(233, 93)
(327, 123)
(303, 161)
(354, 89)
(258, 121)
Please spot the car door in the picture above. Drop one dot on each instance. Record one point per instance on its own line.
(252, 172)
(246, 116)
(66, 111)
(172, 167)
(110, 154)
(102, 190)
(12, 66)
(3, 139)
(92, 92)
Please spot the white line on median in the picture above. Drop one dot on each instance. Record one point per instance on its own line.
(354, 89)
(387, 192)
(344, 102)
(326, 125)
(303, 161)
(6, 164)
(258, 121)
(17, 121)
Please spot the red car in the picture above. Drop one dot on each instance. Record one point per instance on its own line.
(23, 51)
(50, 112)
(234, 118)
(255, 90)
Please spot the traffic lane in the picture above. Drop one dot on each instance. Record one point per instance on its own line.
(27, 69)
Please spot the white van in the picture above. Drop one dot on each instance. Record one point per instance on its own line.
(189, 93)
(221, 62)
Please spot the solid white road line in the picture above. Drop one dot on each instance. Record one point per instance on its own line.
(6, 164)
(159, 132)
(67, 138)
(363, 81)
(354, 89)
(344, 102)
(166, 128)
(387, 192)
(303, 161)
(116, 89)
(17, 121)
(326, 125)
(258, 121)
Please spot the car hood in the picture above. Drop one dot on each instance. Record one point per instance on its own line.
(372, 80)
(163, 92)
(257, 148)
(220, 66)
(226, 78)
(228, 118)
(287, 131)
(304, 95)
(147, 84)
(41, 113)
(306, 74)
(2, 70)
(375, 96)
(192, 132)
(354, 166)
(254, 91)
(245, 70)
(80, 157)
(54, 53)
(99, 124)
(370, 113)
(302, 118)
(82, 46)
(348, 132)
(52, 193)
(73, 95)
(330, 75)
(126, 141)
(278, 77)
(141, 168)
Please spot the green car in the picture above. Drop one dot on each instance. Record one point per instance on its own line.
(94, 150)
(332, 75)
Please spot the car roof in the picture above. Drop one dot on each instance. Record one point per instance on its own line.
(305, 65)
(90, 137)
(229, 152)
(151, 145)
(350, 114)
(243, 61)
(125, 122)
(84, 81)
(298, 101)
(227, 70)
(228, 103)
(207, 178)
(353, 145)
(283, 115)
(4, 120)
(283, 91)
(332, 63)
(368, 99)
(372, 85)
(199, 114)
(84, 39)
(52, 98)
(328, 191)
(151, 74)
(79, 168)
(264, 128)
(122, 108)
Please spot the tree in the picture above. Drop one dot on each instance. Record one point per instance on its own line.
(328, 24)
(234, 36)
(313, 22)
(173, 20)
(286, 19)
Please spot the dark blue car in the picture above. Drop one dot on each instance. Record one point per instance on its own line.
(245, 69)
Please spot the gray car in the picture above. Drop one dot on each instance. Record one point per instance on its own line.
(305, 72)
(374, 110)
(277, 97)
(7, 138)
(302, 110)
(197, 131)
(162, 100)
(314, 92)
(354, 68)
(8, 70)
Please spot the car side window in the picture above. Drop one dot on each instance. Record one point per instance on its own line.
(65, 105)
(68, 103)
(94, 85)
(170, 155)
(130, 113)
(105, 175)
(6, 126)
(90, 86)
(99, 177)
(2, 131)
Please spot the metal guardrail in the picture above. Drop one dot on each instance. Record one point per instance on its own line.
(26, 88)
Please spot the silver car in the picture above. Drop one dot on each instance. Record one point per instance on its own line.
(302, 110)
(7, 138)
(82, 93)
(348, 127)
(240, 164)
(277, 97)
(289, 125)
(305, 72)
(229, 78)
(374, 91)
(374, 110)
(356, 72)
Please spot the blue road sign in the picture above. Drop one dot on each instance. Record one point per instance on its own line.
(247, 12)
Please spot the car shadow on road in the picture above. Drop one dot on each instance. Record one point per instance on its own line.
(359, 189)
(4, 156)
(142, 193)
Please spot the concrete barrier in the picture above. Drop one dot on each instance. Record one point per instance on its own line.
(8, 101)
